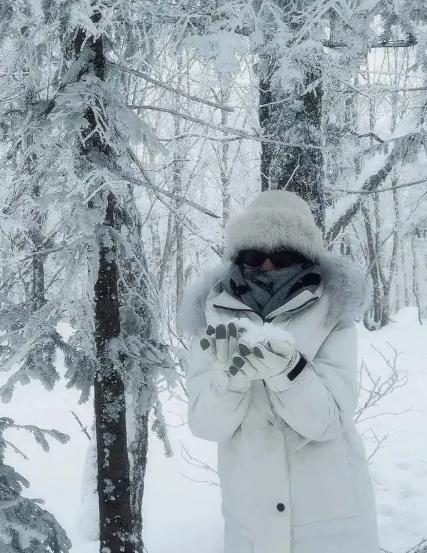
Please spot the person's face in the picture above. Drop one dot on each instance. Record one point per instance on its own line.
(269, 261)
(266, 265)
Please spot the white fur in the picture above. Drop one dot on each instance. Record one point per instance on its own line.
(275, 219)
(344, 283)
(191, 313)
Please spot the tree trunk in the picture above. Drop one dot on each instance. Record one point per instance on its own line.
(224, 97)
(179, 227)
(178, 189)
(405, 280)
(113, 482)
(139, 451)
(297, 169)
(35, 230)
(386, 307)
(393, 265)
(373, 270)
(136, 304)
(110, 409)
(419, 271)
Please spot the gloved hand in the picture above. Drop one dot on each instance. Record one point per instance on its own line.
(230, 369)
(277, 360)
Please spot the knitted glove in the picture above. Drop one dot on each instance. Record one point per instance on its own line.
(276, 359)
(230, 371)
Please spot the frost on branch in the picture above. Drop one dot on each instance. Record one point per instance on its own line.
(374, 387)
(24, 526)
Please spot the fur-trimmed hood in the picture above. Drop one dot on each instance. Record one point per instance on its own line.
(275, 219)
(343, 282)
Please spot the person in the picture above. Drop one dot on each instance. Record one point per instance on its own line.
(272, 378)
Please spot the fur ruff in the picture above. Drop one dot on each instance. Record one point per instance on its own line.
(344, 285)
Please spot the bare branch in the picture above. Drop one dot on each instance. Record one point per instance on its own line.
(368, 135)
(412, 41)
(372, 183)
(161, 84)
(185, 220)
(15, 449)
(378, 388)
(420, 547)
(390, 188)
(199, 481)
(83, 428)
(156, 189)
(188, 458)
(379, 443)
(238, 133)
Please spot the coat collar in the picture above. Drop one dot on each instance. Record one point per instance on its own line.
(344, 285)
(224, 300)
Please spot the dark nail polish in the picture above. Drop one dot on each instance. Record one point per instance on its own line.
(258, 353)
(244, 350)
(233, 370)
(204, 344)
(210, 330)
(239, 362)
(232, 330)
(220, 332)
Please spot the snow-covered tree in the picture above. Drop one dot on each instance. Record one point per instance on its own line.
(72, 241)
(25, 527)
(129, 130)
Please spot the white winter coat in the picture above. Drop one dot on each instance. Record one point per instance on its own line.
(296, 447)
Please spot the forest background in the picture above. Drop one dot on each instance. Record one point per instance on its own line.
(129, 132)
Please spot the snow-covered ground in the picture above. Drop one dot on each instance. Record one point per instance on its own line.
(399, 468)
(182, 502)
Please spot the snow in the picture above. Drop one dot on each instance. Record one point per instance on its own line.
(405, 126)
(400, 467)
(182, 512)
(222, 47)
(250, 332)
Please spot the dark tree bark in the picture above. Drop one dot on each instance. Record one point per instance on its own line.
(297, 169)
(137, 320)
(374, 272)
(139, 451)
(116, 529)
(113, 481)
(35, 232)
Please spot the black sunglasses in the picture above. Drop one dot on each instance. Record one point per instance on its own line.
(281, 259)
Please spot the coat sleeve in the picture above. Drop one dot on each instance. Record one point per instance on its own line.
(214, 411)
(324, 396)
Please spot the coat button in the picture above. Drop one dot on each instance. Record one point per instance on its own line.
(280, 507)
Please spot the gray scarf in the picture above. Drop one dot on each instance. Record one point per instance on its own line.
(265, 291)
